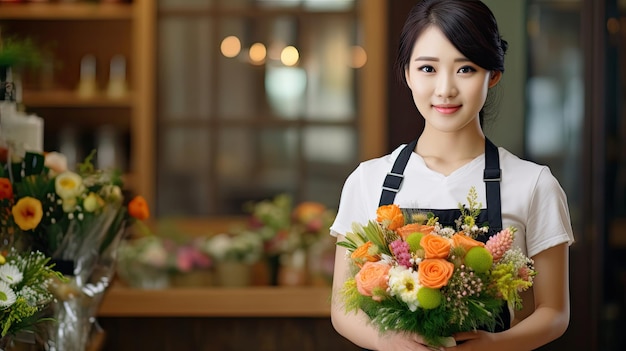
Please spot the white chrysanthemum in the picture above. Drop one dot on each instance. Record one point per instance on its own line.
(10, 274)
(403, 282)
(7, 295)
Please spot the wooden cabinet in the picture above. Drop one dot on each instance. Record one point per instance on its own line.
(67, 32)
(252, 318)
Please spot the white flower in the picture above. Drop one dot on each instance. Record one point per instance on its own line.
(10, 274)
(7, 295)
(68, 185)
(404, 283)
(56, 162)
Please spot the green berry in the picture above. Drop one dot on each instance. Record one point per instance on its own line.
(414, 241)
(479, 259)
(429, 298)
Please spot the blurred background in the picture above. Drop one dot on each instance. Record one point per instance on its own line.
(207, 105)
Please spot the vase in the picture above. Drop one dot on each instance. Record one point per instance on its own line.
(194, 278)
(273, 268)
(143, 276)
(233, 274)
(294, 269)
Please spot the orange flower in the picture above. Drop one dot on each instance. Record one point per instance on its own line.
(27, 213)
(365, 253)
(464, 241)
(435, 273)
(435, 246)
(138, 208)
(391, 216)
(409, 229)
(373, 275)
(307, 211)
(6, 189)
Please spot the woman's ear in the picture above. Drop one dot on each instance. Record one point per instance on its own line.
(494, 78)
(406, 78)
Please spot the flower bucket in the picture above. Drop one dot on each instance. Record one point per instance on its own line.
(233, 274)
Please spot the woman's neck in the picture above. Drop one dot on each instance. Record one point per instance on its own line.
(446, 152)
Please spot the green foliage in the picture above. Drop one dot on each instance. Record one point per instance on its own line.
(32, 292)
(16, 52)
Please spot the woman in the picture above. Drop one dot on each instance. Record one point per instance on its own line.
(451, 55)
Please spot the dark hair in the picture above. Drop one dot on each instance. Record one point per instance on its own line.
(469, 25)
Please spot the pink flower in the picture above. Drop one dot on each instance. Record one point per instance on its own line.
(500, 243)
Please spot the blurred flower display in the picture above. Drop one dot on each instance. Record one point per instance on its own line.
(296, 238)
(76, 218)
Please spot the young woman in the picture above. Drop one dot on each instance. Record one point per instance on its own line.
(451, 55)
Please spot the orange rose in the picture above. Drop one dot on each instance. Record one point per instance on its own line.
(365, 253)
(464, 241)
(6, 189)
(138, 208)
(373, 275)
(391, 216)
(435, 272)
(409, 229)
(435, 246)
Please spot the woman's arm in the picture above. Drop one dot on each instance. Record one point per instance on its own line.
(552, 309)
(355, 326)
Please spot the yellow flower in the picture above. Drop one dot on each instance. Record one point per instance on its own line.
(69, 205)
(93, 202)
(27, 213)
(68, 185)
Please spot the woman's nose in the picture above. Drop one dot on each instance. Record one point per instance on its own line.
(446, 86)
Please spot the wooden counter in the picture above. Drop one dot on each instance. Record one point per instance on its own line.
(214, 318)
(257, 301)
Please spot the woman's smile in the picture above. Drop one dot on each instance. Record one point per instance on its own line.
(447, 109)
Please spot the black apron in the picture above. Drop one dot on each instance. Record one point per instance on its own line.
(491, 216)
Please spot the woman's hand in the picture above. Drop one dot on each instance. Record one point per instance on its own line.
(395, 341)
(473, 340)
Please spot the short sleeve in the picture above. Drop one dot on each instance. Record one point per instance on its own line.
(549, 221)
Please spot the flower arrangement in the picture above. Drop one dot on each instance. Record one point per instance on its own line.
(411, 274)
(69, 216)
(150, 260)
(244, 247)
(24, 290)
(75, 218)
(285, 228)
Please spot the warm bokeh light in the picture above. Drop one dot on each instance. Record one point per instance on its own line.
(612, 25)
(289, 56)
(231, 46)
(257, 53)
(359, 57)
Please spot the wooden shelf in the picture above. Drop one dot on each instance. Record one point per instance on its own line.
(67, 98)
(266, 301)
(65, 11)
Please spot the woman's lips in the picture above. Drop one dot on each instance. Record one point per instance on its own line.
(447, 109)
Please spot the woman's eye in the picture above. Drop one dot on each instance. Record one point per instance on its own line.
(466, 69)
(427, 69)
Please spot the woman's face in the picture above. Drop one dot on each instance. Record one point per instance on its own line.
(447, 88)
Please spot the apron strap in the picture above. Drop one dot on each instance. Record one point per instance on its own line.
(394, 179)
(492, 177)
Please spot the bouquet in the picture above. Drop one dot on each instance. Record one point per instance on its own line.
(24, 291)
(77, 219)
(411, 274)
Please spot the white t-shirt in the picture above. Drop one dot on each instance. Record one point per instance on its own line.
(532, 199)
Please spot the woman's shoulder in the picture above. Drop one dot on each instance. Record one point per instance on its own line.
(520, 170)
(511, 160)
